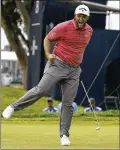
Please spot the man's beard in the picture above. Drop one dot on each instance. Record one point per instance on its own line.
(80, 24)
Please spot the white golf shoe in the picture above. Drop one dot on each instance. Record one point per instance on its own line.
(65, 141)
(7, 113)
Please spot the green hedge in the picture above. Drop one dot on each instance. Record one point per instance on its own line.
(11, 94)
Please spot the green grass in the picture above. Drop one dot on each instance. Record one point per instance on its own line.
(45, 135)
(31, 128)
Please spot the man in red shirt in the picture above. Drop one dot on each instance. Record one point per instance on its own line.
(63, 66)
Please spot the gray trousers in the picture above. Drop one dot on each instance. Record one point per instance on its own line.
(68, 77)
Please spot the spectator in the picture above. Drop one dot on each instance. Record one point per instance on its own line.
(50, 108)
(73, 104)
(95, 108)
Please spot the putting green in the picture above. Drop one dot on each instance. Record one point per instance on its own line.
(46, 135)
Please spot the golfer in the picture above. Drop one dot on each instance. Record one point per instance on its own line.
(63, 66)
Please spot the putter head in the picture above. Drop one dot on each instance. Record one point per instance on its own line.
(98, 128)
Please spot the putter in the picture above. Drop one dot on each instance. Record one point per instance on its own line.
(98, 127)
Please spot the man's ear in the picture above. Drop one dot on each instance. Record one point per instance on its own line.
(88, 18)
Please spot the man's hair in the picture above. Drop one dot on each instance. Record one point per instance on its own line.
(50, 99)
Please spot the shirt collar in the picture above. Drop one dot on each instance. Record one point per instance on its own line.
(73, 21)
(76, 28)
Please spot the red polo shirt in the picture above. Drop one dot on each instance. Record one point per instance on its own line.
(70, 41)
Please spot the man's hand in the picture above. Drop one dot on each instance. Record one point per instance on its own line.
(51, 57)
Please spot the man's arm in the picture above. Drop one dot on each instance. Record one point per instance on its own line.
(91, 33)
(54, 35)
(49, 56)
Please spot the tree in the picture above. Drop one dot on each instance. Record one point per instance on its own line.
(15, 14)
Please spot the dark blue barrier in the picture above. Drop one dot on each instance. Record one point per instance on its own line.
(35, 58)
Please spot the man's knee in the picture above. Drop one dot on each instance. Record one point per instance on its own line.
(39, 90)
(67, 104)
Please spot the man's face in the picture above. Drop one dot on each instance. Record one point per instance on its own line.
(93, 105)
(50, 104)
(81, 20)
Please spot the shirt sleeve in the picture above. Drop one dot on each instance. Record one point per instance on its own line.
(91, 33)
(57, 32)
(59, 107)
(45, 110)
(56, 110)
(99, 109)
(75, 107)
(87, 110)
